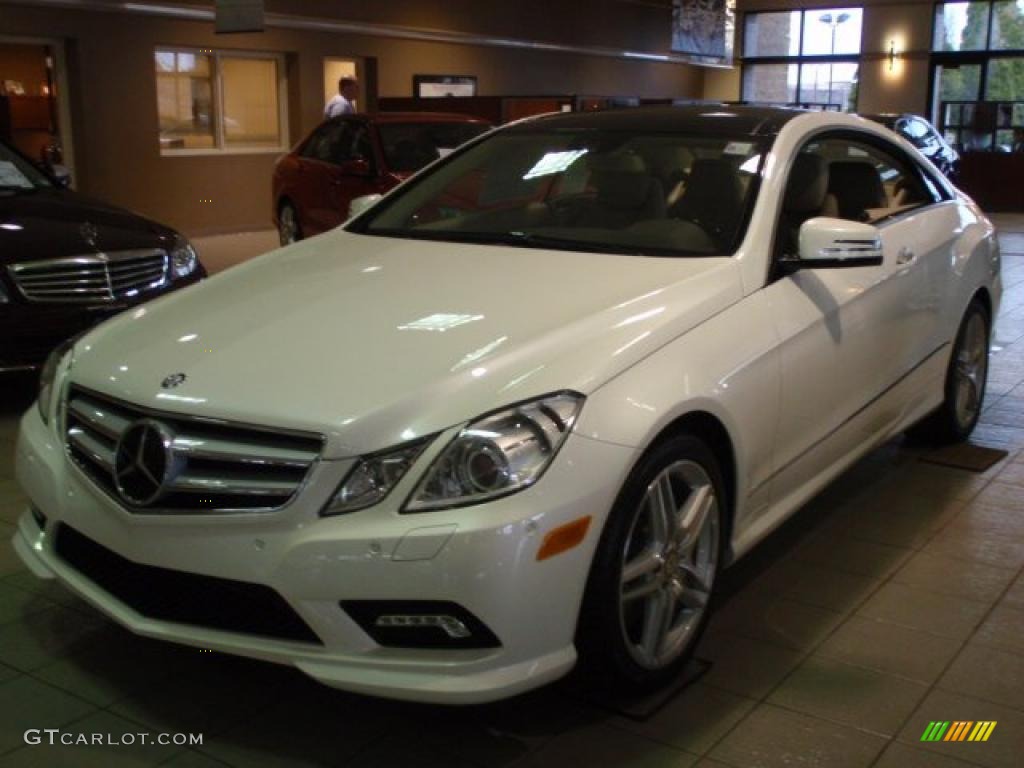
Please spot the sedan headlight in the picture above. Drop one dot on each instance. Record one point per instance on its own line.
(372, 478)
(498, 454)
(47, 377)
(183, 258)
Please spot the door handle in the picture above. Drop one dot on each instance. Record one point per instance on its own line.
(905, 256)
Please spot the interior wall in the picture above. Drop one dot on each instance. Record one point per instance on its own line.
(722, 84)
(113, 92)
(637, 25)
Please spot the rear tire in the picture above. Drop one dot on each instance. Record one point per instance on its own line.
(289, 229)
(647, 598)
(964, 388)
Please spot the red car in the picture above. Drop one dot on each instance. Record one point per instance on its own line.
(355, 155)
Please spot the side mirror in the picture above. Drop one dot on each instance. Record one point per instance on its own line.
(356, 167)
(827, 243)
(360, 204)
(61, 176)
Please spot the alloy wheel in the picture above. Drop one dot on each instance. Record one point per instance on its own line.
(669, 565)
(970, 370)
(289, 225)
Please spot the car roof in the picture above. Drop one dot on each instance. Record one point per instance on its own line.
(885, 117)
(701, 118)
(422, 117)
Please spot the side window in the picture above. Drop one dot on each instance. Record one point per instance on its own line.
(362, 147)
(352, 144)
(927, 132)
(915, 131)
(869, 180)
(321, 144)
(845, 178)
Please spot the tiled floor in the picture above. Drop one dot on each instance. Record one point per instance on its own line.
(894, 599)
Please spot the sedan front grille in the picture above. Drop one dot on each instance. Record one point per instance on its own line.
(210, 466)
(91, 278)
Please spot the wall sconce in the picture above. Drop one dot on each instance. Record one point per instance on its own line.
(892, 55)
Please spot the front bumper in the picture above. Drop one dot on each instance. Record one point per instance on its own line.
(483, 558)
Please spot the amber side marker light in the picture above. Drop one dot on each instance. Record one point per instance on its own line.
(563, 538)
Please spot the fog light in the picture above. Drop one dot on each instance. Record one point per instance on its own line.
(449, 624)
(420, 624)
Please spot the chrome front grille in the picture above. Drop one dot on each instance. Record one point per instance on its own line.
(91, 278)
(213, 466)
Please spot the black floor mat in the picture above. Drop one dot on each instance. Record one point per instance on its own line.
(638, 708)
(973, 458)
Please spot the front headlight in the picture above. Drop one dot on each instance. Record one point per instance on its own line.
(498, 454)
(48, 375)
(373, 477)
(183, 258)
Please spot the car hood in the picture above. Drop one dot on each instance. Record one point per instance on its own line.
(374, 341)
(46, 224)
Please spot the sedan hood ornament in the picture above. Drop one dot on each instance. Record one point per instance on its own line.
(144, 462)
(174, 380)
(89, 233)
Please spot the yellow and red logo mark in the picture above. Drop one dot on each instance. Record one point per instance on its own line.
(958, 730)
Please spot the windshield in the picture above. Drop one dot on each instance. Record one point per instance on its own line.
(410, 146)
(17, 174)
(593, 190)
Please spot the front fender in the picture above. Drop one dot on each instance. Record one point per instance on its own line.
(727, 367)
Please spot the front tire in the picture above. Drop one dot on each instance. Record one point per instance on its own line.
(650, 585)
(289, 230)
(966, 377)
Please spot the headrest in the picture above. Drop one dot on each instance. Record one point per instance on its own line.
(848, 175)
(715, 180)
(808, 184)
(624, 189)
(624, 162)
(708, 170)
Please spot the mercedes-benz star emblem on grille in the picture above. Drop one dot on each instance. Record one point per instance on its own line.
(145, 462)
(89, 233)
(174, 380)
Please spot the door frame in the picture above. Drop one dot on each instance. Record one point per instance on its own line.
(360, 72)
(60, 74)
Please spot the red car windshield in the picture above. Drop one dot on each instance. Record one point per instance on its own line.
(410, 146)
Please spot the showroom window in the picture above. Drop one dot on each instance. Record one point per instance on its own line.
(978, 74)
(218, 101)
(806, 57)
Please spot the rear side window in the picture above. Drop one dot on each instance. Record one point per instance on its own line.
(869, 181)
(322, 144)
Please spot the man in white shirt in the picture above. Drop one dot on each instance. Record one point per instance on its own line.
(343, 103)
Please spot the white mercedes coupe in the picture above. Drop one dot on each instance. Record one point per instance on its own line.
(518, 414)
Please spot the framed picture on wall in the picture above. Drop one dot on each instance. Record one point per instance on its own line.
(704, 29)
(439, 86)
